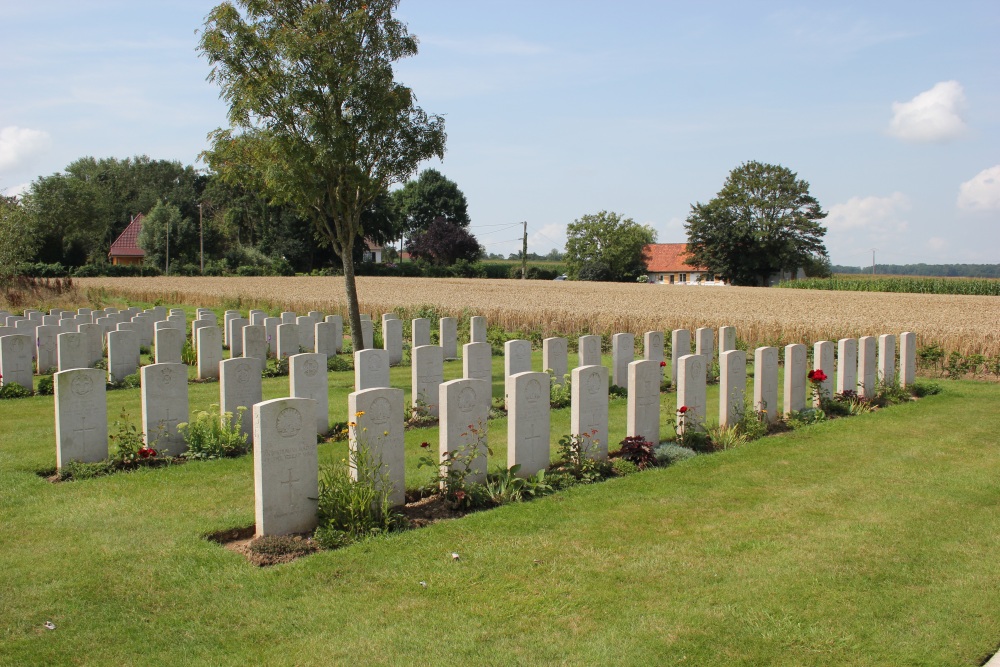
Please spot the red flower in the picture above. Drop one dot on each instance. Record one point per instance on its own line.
(682, 409)
(425, 444)
(460, 496)
(146, 452)
(662, 364)
(811, 374)
(817, 376)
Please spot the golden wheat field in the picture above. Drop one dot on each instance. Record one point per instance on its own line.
(968, 324)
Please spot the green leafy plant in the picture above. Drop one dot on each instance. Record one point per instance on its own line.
(455, 467)
(669, 453)
(339, 363)
(623, 467)
(805, 417)
(189, 355)
(45, 386)
(577, 459)
(726, 437)
(921, 389)
(211, 435)
(130, 447)
(418, 415)
(504, 486)
(13, 390)
(560, 394)
(276, 368)
(638, 450)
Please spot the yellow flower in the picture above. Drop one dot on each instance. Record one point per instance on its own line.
(385, 433)
(359, 413)
(351, 424)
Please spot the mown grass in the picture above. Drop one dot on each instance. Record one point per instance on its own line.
(862, 541)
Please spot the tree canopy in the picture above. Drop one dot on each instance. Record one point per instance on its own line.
(606, 246)
(762, 221)
(315, 111)
(429, 197)
(444, 243)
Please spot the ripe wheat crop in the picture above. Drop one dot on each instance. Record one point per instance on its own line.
(909, 284)
(967, 324)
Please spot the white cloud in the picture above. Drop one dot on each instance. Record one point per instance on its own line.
(937, 243)
(16, 190)
(548, 237)
(982, 191)
(933, 115)
(19, 144)
(868, 213)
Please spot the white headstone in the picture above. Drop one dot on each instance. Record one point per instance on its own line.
(589, 408)
(795, 378)
(727, 340)
(306, 332)
(94, 340)
(732, 386)
(307, 378)
(288, 317)
(887, 359)
(528, 422)
(367, 334)
(765, 382)
(257, 318)
(420, 332)
(123, 354)
(209, 350)
(285, 466)
(866, 366)
(465, 408)
(255, 342)
(15, 360)
(164, 406)
(449, 337)
(380, 431)
(240, 385)
(179, 321)
(622, 354)
(338, 324)
(643, 410)
(144, 327)
(371, 369)
(325, 335)
(907, 359)
(30, 328)
(427, 374)
(589, 351)
(81, 416)
(477, 329)
(477, 362)
(48, 352)
(691, 380)
(704, 341)
(823, 361)
(288, 340)
(652, 349)
(235, 336)
(392, 340)
(226, 317)
(198, 324)
(169, 343)
(73, 350)
(271, 335)
(847, 365)
(316, 316)
(516, 359)
(555, 357)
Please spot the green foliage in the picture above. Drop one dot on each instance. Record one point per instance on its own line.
(805, 417)
(339, 363)
(128, 382)
(276, 368)
(352, 510)
(560, 394)
(608, 246)
(189, 355)
(762, 221)
(17, 239)
(14, 390)
(577, 460)
(429, 197)
(910, 285)
(45, 386)
(669, 453)
(76, 470)
(638, 450)
(167, 234)
(318, 123)
(726, 437)
(921, 389)
(454, 468)
(130, 448)
(504, 486)
(624, 467)
(211, 435)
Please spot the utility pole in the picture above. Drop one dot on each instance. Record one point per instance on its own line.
(524, 253)
(201, 240)
(166, 269)
(873, 261)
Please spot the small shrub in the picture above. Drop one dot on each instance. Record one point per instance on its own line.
(805, 417)
(14, 390)
(130, 448)
(504, 486)
(75, 470)
(623, 467)
(638, 450)
(560, 395)
(338, 363)
(578, 462)
(921, 389)
(276, 368)
(455, 467)
(45, 386)
(726, 437)
(210, 435)
(189, 355)
(669, 453)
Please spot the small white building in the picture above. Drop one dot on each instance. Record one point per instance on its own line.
(666, 264)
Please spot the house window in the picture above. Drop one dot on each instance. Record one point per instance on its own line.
(683, 277)
(671, 279)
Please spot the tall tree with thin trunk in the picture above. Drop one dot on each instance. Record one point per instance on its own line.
(315, 111)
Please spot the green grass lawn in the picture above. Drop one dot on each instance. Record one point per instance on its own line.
(864, 541)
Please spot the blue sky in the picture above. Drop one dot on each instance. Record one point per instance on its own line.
(556, 109)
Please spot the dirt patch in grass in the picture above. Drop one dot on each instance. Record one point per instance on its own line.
(264, 551)
(431, 509)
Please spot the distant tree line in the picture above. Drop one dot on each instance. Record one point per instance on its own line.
(934, 270)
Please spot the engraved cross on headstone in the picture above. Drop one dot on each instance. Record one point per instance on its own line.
(290, 484)
(82, 434)
(532, 439)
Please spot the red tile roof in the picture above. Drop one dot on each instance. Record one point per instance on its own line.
(668, 258)
(127, 244)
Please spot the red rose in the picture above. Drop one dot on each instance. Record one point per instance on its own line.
(662, 364)
(425, 444)
(811, 375)
(682, 409)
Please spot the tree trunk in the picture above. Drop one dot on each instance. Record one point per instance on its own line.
(353, 312)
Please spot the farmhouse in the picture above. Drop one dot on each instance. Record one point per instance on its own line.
(665, 263)
(125, 250)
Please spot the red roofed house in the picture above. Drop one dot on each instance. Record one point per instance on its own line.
(665, 263)
(125, 249)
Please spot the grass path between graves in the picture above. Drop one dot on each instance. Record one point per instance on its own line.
(865, 541)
